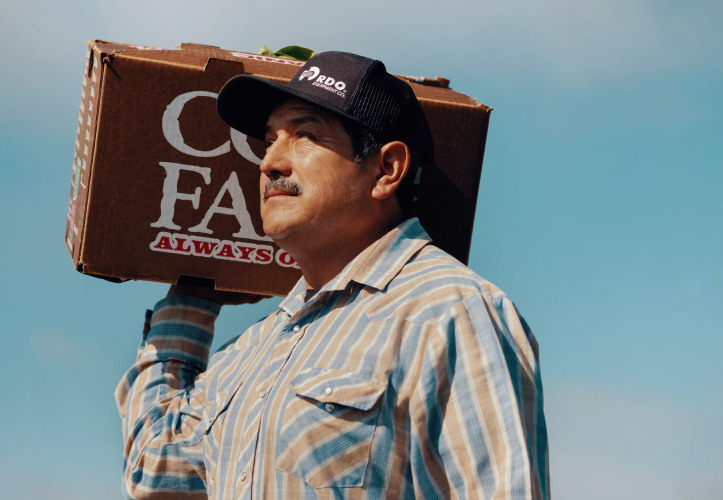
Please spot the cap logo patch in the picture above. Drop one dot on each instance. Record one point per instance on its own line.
(323, 81)
(310, 73)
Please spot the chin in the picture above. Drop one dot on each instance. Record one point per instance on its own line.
(283, 216)
(279, 225)
(275, 233)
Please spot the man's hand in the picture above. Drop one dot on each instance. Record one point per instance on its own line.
(219, 297)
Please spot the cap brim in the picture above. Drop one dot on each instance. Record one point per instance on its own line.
(246, 101)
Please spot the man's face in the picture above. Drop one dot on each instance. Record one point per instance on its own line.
(311, 189)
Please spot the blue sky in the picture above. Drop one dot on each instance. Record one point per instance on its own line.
(599, 214)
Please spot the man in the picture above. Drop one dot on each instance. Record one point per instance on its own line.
(390, 371)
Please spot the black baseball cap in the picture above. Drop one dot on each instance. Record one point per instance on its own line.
(354, 87)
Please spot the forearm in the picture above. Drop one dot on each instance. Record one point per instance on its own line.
(174, 350)
(161, 398)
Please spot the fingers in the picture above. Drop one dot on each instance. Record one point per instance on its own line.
(220, 297)
(236, 298)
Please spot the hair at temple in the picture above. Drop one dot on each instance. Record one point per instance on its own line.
(363, 145)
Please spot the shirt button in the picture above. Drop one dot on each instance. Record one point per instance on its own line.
(328, 391)
(262, 393)
(297, 328)
(243, 476)
(329, 407)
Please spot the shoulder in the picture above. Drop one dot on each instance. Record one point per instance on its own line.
(429, 287)
(240, 343)
(465, 307)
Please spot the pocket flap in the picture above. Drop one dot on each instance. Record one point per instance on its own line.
(220, 404)
(337, 386)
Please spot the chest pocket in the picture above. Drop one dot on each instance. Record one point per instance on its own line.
(328, 426)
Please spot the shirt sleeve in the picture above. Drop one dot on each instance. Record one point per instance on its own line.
(477, 422)
(161, 400)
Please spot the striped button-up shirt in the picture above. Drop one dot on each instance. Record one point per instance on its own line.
(407, 376)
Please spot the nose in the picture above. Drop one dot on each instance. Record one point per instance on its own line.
(276, 160)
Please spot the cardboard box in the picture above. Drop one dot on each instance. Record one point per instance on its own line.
(163, 190)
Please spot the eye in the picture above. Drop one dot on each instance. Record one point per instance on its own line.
(303, 134)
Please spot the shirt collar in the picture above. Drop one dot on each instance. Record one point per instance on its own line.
(376, 266)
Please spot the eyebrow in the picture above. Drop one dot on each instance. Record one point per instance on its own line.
(302, 120)
(306, 119)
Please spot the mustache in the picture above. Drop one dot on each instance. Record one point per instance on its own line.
(283, 183)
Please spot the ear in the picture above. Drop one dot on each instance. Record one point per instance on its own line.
(393, 164)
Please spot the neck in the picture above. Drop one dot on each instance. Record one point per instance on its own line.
(322, 263)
